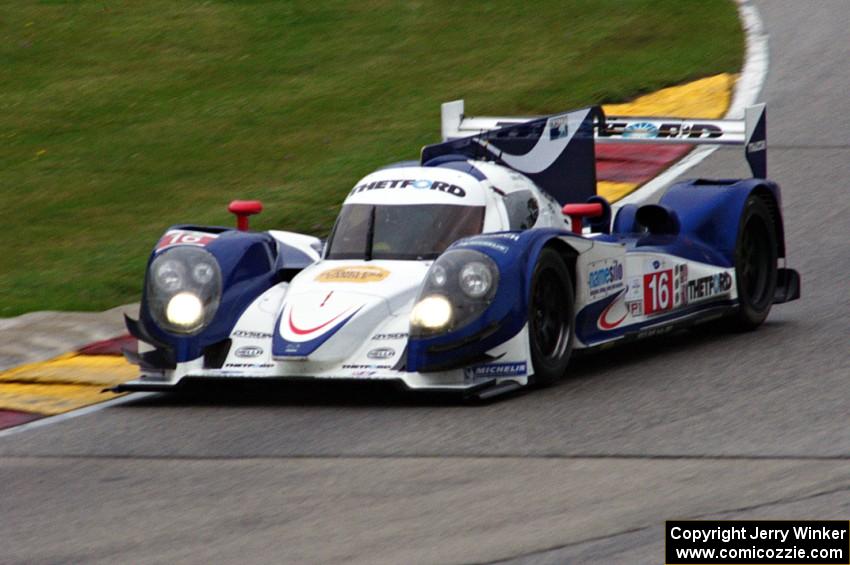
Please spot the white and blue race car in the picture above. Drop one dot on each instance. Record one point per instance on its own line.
(480, 268)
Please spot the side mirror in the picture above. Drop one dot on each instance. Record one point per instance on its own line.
(242, 209)
(578, 211)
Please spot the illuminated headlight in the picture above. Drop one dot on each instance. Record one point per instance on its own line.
(185, 310)
(432, 313)
(183, 289)
(476, 278)
(458, 288)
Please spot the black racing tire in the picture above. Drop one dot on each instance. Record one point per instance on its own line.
(755, 265)
(551, 318)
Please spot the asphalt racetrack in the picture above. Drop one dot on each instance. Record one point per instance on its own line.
(698, 425)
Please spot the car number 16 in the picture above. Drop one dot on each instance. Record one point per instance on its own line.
(658, 291)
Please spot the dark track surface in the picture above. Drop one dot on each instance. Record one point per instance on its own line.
(696, 425)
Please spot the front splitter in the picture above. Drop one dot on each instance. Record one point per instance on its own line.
(482, 390)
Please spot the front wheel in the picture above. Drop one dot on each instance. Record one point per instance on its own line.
(551, 312)
(755, 264)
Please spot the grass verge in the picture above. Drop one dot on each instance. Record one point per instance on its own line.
(118, 119)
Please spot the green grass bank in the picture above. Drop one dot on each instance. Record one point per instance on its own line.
(118, 119)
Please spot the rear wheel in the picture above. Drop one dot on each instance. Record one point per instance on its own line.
(550, 317)
(755, 264)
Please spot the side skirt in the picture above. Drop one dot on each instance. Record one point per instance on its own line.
(653, 329)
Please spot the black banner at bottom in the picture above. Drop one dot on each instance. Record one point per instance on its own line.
(757, 542)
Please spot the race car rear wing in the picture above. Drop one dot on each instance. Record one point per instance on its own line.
(556, 152)
(750, 132)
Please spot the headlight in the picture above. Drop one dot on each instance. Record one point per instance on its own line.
(169, 275)
(432, 312)
(203, 273)
(184, 310)
(183, 289)
(475, 279)
(458, 288)
(438, 275)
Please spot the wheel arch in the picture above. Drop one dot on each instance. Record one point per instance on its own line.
(549, 358)
(559, 241)
(249, 263)
(568, 255)
(710, 210)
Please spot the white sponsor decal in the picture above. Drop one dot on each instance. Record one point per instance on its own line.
(604, 277)
(381, 353)
(249, 351)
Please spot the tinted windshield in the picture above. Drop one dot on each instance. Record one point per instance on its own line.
(421, 231)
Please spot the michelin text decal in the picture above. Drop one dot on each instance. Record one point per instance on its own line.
(495, 370)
